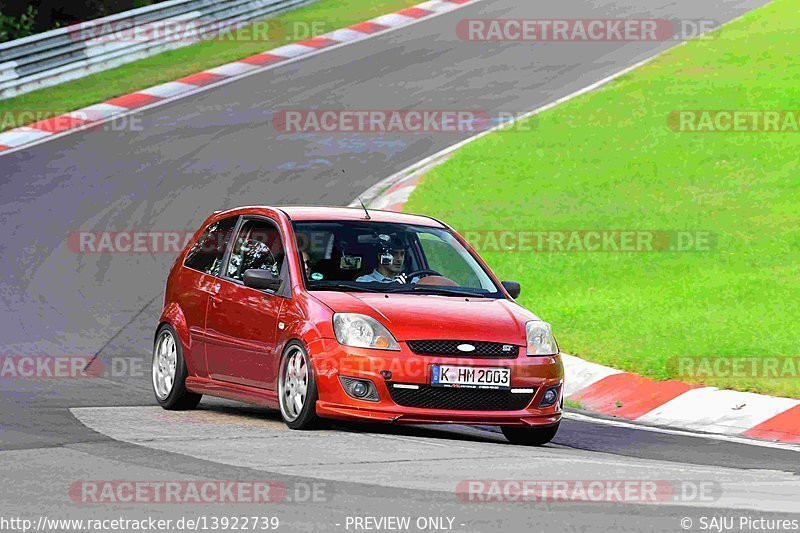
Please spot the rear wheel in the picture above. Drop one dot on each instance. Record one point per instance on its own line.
(169, 372)
(297, 388)
(530, 436)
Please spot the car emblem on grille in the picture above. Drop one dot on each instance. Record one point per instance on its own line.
(466, 347)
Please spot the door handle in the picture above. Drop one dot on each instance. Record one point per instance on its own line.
(213, 295)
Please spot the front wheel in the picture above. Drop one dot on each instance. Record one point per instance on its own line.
(169, 372)
(297, 388)
(530, 436)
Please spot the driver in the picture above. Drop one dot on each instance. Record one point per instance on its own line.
(307, 263)
(391, 260)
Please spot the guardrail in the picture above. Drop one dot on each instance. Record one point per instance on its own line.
(75, 51)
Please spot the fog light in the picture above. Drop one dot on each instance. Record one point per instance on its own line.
(550, 397)
(361, 389)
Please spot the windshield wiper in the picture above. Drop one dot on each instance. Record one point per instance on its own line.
(353, 288)
(438, 290)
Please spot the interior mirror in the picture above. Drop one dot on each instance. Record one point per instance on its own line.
(512, 287)
(261, 279)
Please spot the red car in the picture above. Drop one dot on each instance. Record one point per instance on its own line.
(352, 314)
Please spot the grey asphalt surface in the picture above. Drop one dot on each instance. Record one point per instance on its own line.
(219, 149)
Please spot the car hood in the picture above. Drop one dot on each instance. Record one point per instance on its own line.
(418, 316)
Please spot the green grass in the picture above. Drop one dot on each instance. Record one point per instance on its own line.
(573, 404)
(608, 160)
(323, 16)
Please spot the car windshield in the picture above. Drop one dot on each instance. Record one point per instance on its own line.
(384, 257)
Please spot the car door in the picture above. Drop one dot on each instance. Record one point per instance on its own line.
(242, 322)
(195, 283)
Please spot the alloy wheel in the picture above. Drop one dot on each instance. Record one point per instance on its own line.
(165, 362)
(293, 386)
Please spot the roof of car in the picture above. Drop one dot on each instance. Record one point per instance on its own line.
(324, 213)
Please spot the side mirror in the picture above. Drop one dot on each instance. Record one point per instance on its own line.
(256, 278)
(512, 287)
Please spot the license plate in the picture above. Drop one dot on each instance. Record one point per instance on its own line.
(475, 377)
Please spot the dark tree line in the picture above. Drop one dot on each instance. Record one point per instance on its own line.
(19, 18)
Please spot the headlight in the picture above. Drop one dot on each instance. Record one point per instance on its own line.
(361, 331)
(540, 338)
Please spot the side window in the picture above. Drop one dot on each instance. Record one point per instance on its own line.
(206, 254)
(443, 258)
(258, 245)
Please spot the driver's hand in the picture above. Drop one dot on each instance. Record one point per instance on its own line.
(400, 278)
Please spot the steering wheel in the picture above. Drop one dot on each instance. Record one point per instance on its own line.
(422, 273)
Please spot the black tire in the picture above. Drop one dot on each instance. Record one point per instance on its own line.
(530, 436)
(176, 397)
(307, 417)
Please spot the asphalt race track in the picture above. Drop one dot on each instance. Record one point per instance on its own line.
(219, 149)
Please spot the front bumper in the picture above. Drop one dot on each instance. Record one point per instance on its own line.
(330, 360)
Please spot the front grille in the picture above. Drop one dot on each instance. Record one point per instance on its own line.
(448, 347)
(460, 399)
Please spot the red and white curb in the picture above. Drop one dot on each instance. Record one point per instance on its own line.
(84, 118)
(681, 405)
